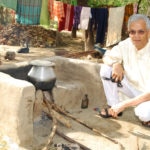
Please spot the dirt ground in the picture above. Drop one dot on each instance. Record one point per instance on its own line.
(69, 46)
(124, 133)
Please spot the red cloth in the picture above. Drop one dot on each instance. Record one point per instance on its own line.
(61, 24)
(67, 21)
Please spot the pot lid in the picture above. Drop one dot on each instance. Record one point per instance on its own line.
(42, 63)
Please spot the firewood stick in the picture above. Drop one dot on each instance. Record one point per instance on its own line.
(95, 130)
(59, 117)
(71, 140)
(54, 127)
(54, 106)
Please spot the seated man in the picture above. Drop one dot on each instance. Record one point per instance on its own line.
(126, 69)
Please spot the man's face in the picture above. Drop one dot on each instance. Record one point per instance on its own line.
(139, 34)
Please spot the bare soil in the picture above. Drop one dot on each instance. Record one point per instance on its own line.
(70, 47)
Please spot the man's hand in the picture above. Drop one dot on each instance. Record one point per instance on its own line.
(117, 72)
(116, 109)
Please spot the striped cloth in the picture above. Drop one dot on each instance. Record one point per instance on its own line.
(69, 17)
(28, 12)
(67, 21)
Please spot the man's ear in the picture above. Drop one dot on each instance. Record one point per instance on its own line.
(149, 33)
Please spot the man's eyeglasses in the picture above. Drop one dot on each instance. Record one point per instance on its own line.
(133, 32)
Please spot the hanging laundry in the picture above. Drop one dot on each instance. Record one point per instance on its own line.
(57, 12)
(28, 12)
(99, 22)
(84, 18)
(69, 17)
(12, 4)
(44, 17)
(61, 24)
(50, 7)
(93, 21)
(135, 8)
(129, 10)
(67, 21)
(76, 18)
(115, 22)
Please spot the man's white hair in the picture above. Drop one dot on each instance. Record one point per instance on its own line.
(137, 17)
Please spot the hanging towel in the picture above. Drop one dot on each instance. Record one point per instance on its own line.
(61, 24)
(99, 20)
(12, 4)
(115, 22)
(67, 21)
(44, 17)
(50, 7)
(69, 17)
(76, 18)
(28, 12)
(84, 18)
(57, 11)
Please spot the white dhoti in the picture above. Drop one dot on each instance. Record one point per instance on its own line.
(143, 111)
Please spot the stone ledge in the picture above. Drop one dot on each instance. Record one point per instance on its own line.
(16, 109)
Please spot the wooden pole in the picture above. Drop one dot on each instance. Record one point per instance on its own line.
(58, 116)
(71, 140)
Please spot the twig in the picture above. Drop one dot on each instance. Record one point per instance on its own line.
(54, 127)
(71, 140)
(59, 117)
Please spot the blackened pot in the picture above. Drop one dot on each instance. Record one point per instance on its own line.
(42, 74)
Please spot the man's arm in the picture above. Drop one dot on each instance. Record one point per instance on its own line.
(128, 103)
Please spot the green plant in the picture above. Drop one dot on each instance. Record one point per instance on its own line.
(98, 3)
(144, 6)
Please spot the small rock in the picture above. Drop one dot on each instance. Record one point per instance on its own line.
(10, 55)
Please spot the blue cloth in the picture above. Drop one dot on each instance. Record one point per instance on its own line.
(99, 49)
(99, 22)
(28, 12)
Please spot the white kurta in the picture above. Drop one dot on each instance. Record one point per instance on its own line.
(136, 63)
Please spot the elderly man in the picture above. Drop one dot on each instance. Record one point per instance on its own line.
(126, 69)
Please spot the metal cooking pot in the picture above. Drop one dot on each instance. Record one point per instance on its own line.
(42, 74)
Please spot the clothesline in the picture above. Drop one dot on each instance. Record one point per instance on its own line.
(42, 12)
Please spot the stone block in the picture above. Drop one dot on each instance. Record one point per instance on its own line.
(16, 109)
